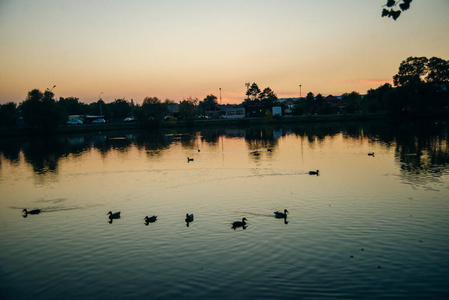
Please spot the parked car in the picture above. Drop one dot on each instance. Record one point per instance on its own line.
(169, 118)
(75, 122)
(129, 119)
(99, 121)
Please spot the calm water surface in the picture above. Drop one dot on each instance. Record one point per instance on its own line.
(366, 227)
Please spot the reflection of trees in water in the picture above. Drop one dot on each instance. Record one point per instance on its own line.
(423, 151)
(259, 138)
(44, 153)
(317, 132)
(153, 142)
(10, 150)
(107, 143)
(212, 136)
(421, 147)
(188, 140)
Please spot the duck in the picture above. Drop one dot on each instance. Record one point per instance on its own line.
(239, 223)
(279, 214)
(115, 215)
(189, 159)
(31, 212)
(270, 150)
(189, 218)
(317, 172)
(150, 219)
(371, 154)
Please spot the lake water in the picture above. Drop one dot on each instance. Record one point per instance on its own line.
(367, 227)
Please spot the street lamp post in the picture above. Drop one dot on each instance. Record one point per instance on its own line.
(101, 112)
(220, 95)
(300, 90)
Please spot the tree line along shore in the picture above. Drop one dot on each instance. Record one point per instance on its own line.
(420, 89)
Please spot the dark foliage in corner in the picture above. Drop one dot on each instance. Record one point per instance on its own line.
(393, 8)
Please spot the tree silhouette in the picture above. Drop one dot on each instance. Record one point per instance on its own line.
(268, 98)
(253, 91)
(187, 108)
(39, 110)
(208, 104)
(417, 70)
(8, 114)
(438, 70)
(152, 109)
(120, 108)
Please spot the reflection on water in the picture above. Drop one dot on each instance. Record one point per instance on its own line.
(369, 226)
(420, 147)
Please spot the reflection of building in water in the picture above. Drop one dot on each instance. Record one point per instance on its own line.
(258, 134)
(277, 133)
(421, 147)
(76, 141)
(235, 133)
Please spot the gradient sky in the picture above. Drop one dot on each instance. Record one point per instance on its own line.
(179, 48)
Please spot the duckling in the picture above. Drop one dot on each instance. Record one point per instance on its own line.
(279, 214)
(317, 172)
(31, 212)
(189, 218)
(270, 150)
(371, 154)
(115, 215)
(150, 219)
(189, 159)
(239, 224)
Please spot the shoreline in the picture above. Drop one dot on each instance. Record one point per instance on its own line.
(244, 122)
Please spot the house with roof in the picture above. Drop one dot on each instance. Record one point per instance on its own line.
(336, 104)
(231, 111)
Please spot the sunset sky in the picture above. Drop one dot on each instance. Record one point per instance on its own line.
(178, 48)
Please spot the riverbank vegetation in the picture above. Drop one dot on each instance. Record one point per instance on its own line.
(421, 86)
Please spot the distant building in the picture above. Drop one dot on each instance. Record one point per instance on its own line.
(276, 110)
(335, 103)
(288, 104)
(173, 108)
(234, 112)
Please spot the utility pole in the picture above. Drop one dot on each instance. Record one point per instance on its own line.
(101, 112)
(300, 91)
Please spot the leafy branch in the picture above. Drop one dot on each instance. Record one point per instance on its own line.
(393, 8)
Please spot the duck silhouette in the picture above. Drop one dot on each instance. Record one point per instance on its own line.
(189, 218)
(115, 215)
(239, 224)
(317, 172)
(31, 212)
(279, 214)
(150, 219)
(189, 159)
